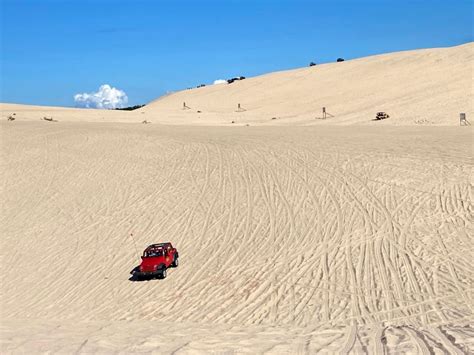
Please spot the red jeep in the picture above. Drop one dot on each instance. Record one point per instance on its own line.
(155, 260)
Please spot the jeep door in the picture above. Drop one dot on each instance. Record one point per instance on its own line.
(168, 257)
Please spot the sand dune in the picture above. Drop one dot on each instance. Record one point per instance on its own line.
(351, 236)
(294, 240)
(428, 86)
(422, 87)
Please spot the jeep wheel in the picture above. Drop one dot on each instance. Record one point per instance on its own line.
(175, 262)
(163, 274)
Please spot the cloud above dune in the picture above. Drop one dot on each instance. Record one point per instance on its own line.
(107, 97)
(220, 81)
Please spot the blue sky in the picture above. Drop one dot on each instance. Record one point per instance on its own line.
(54, 49)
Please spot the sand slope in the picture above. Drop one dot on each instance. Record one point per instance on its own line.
(422, 87)
(428, 86)
(292, 241)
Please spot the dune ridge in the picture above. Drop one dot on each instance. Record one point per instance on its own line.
(296, 235)
(421, 87)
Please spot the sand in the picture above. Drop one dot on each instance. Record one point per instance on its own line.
(423, 87)
(307, 238)
(346, 238)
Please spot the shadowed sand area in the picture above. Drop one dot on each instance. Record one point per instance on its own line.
(292, 240)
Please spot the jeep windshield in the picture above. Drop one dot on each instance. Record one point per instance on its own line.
(153, 253)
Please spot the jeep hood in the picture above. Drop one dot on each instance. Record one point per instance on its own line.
(148, 264)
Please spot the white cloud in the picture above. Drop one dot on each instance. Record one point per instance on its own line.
(220, 81)
(107, 97)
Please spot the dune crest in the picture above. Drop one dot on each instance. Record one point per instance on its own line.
(345, 235)
(420, 87)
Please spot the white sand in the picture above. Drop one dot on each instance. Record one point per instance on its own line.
(329, 239)
(423, 87)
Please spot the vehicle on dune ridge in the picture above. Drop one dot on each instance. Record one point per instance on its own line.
(156, 259)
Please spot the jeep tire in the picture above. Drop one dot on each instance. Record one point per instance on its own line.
(175, 262)
(162, 274)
